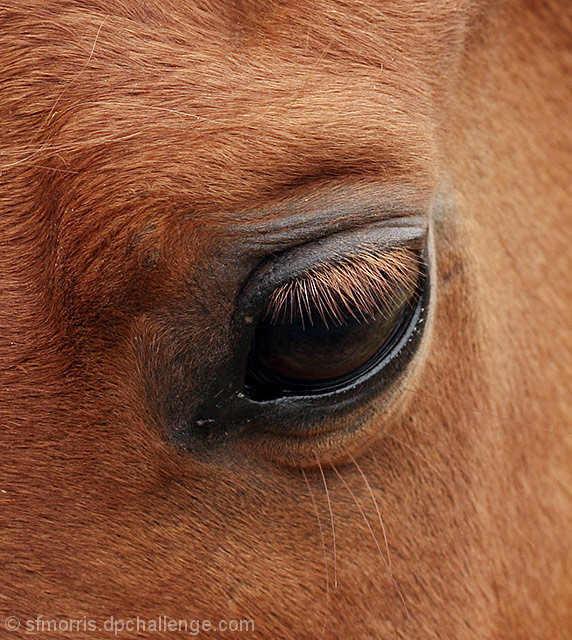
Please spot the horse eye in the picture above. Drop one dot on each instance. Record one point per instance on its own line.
(327, 328)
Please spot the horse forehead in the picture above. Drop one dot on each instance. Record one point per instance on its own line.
(185, 87)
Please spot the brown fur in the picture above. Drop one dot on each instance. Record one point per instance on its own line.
(143, 145)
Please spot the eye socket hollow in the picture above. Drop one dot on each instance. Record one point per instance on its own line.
(325, 329)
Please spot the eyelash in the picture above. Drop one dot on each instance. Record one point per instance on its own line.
(358, 286)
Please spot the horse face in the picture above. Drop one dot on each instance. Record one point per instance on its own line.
(283, 301)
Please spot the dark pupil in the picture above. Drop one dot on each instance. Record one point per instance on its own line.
(291, 356)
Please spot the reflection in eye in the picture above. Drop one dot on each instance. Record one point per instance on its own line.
(323, 329)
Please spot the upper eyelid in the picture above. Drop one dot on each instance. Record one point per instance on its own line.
(339, 246)
(329, 210)
(275, 270)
